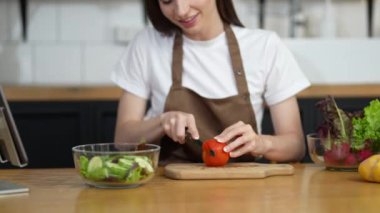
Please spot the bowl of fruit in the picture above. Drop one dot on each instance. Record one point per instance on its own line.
(111, 165)
(345, 139)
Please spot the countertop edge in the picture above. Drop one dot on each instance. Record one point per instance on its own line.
(111, 93)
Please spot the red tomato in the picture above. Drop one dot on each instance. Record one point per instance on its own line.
(213, 153)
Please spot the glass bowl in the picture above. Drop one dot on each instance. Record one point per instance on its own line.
(338, 156)
(110, 165)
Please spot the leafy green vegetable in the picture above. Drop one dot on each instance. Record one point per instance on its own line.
(123, 168)
(337, 123)
(135, 175)
(339, 127)
(349, 137)
(83, 163)
(367, 128)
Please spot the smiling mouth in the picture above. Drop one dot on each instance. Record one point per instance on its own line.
(189, 22)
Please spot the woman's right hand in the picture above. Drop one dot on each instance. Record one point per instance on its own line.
(175, 124)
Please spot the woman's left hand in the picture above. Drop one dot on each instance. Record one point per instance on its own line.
(242, 139)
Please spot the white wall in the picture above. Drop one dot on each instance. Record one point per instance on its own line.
(343, 61)
(77, 42)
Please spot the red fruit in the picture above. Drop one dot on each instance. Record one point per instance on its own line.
(213, 153)
(350, 160)
(364, 154)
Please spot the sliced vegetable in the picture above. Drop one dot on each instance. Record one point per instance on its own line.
(116, 171)
(83, 163)
(124, 168)
(144, 163)
(96, 170)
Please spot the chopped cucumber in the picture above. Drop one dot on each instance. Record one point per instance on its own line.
(116, 171)
(95, 170)
(144, 163)
(125, 163)
(128, 169)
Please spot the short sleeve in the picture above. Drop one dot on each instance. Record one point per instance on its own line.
(284, 78)
(130, 72)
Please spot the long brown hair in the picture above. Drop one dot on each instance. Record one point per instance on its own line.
(226, 11)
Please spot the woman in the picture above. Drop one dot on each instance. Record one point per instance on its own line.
(206, 75)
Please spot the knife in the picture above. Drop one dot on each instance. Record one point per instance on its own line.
(190, 139)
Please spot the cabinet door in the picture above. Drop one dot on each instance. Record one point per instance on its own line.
(50, 129)
(104, 115)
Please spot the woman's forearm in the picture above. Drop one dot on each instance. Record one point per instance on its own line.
(149, 130)
(284, 148)
(287, 144)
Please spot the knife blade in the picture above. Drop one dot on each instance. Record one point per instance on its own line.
(190, 139)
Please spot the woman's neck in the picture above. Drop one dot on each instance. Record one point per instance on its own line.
(208, 32)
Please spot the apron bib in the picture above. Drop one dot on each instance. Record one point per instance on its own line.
(212, 116)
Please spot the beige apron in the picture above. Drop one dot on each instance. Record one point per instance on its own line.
(212, 116)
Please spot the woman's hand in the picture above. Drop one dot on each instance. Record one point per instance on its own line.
(175, 124)
(242, 139)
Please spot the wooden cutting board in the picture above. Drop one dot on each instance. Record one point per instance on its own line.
(187, 171)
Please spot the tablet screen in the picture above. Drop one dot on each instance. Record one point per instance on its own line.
(11, 147)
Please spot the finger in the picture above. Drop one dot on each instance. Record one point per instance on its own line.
(238, 142)
(248, 147)
(237, 124)
(233, 126)
(167, 129)
(192, 127)
(180, 129)
(172, 122)
(234, 131)
(254, 146)
(165, 123)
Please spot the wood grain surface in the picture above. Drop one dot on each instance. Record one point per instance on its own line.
(66, 93)
(311, 189)
(188, 171)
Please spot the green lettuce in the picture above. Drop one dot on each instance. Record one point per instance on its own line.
(125, 168)
(367, 128)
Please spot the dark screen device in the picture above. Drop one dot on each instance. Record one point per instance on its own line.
(11, 147)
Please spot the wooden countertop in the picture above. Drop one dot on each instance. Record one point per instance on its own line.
(51, 93)
(310, 189)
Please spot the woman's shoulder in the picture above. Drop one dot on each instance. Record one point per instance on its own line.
(149, 36)
(255, 34)
(258, 38)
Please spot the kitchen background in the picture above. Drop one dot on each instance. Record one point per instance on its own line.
(77, 42)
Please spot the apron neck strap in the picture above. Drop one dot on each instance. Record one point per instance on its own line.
(234, 50)
(177, 60)
(237, 63)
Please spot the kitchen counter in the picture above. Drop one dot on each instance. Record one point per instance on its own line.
(61, 93)
(89, 114)
(310, 189)
(51, 93)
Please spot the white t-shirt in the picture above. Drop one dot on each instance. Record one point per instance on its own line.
(271, 71)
